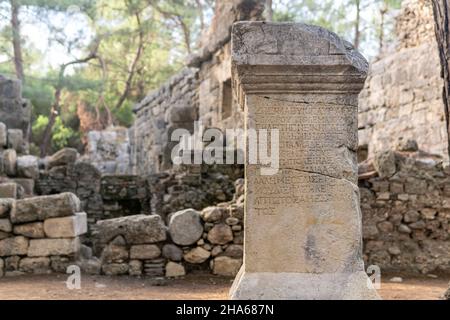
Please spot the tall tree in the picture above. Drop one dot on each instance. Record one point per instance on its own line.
(16, 40)
(441, 12)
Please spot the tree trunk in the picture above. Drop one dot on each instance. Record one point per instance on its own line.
(269, 10)
(441, 17)
(357, 24)
(16, 41)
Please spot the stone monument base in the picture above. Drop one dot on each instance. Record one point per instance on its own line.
(302, 286)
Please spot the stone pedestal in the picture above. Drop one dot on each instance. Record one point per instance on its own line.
(303, 235)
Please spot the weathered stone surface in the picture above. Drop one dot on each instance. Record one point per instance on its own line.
(144, 252)
(234, 251)
(26, 184)
(385, 165)
(35, 265)
(53, 247)
(13, 246)
(45, 207)
(15, 139)
(212, 214)
(27, 167)
(5, 225)
(135, 268)
(185, 227)
(303, 220)
(138, 229)
(197, 255)
(174, 270)
(2, 265)
(115, 269)
(67, 227)
(226, 266)
(10, 162)
(5, 206)
(9, 190)
(220, 234)
(62, 157)
(172, 252)
(30, 230)
(3, 135)
(114, 253)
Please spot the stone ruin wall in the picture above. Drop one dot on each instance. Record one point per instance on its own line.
(402, 98)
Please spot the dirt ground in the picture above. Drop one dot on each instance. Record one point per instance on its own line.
(191, 287)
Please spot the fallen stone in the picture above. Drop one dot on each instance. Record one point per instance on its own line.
(220, 234)
(62, 157)
(385, 164)
(67, 227)
(226, 266)
(137, 229)
(172, 252)
(115, 269)
(53, 247)
(185, 227)
(30, 230)
(39, 265)
(197, 255)
(174, 270)
(10, 162)
(5, 225)
(27, 167)
(16, 246)
(145, 252)
(45, 207)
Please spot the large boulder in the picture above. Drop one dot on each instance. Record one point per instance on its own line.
(27, 167)
(185, 227)
(137, 229)
(62, 157)
(45, 207)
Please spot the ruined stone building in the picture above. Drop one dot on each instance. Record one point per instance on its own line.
(125, 178)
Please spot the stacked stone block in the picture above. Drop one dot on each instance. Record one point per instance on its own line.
(40, 234)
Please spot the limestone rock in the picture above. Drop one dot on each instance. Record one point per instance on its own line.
(5, 225)
(30, 230)
(114, 253)
(385, 164)
(5, 206)
(39, 265)
(3, 135)
(407, 145)
(226, 266)
(197, 255)
(9, 190)
(135, 268)
(10, 162)
(145, 252)
(62, 157)
(53, 247)
(91, 266)
(115, 269)
(45, 207)
(15, 140)
(212, 214)
(234, 251)
(137, 229)
(27, 167)
(67, 227)
(13, 246)
(185, 227)
(174, 270)
(172, 252)
(220, 234)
